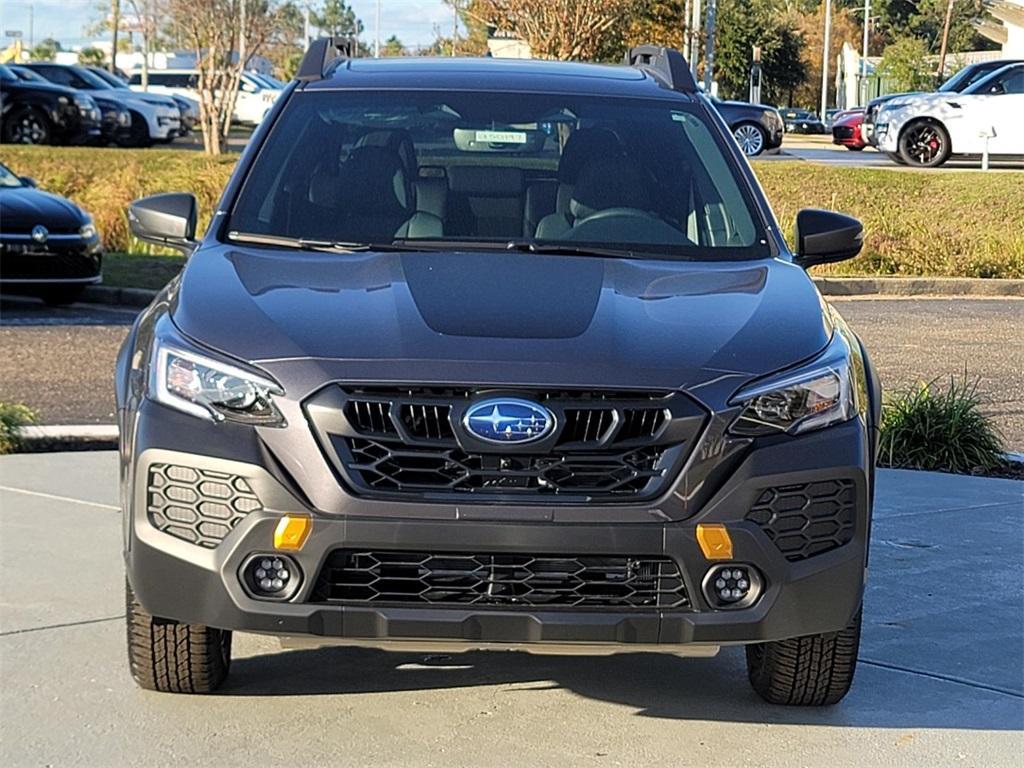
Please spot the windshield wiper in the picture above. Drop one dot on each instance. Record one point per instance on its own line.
(560, 249)
(311, 244)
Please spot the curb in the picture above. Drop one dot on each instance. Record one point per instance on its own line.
(67, 437)
(919, 286)
(124, 297)
(905, 287)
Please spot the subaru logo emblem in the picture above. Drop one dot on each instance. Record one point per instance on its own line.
(40, 233)
(508, 420)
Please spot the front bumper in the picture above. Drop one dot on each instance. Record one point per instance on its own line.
(180, 580)
(63, 258)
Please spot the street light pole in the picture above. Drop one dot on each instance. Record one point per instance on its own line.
(864, 56)
(376, 32)
(825, 57)
(709, 47)
(945, 39)
(695, 38)
(115, 10)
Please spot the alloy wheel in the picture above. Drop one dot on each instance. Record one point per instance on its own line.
(28, 130)
(750, 138)
(923, 143)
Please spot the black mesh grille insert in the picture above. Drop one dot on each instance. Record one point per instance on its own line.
(505, 580)
(197, 505)
(606, 445)
(807, 519)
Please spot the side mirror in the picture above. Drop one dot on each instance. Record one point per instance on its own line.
(28, 181)
(168, 219)
(823, 237)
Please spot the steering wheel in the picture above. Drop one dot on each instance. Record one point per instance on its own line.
(626, 225)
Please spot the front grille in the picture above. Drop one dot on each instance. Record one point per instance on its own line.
(843, 132)
(28, 260)
(807, 519)
(606, 445)
(500, 581)
(197, 505)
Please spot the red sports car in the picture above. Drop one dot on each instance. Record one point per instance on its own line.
(846, 130)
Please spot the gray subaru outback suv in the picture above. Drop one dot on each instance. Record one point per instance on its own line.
(496, 354)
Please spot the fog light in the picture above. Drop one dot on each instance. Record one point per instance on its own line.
(732, 586)
(271, 577)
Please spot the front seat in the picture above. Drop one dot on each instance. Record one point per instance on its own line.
(373, 199)
(615, 182)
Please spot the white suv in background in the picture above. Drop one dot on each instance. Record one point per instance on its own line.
(255, 98)
(924, 129)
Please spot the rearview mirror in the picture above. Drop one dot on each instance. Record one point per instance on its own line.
(168, 219)
(824, 237)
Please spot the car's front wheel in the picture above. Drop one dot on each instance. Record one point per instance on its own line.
(924, 143)
(813, 670)
(895, 157)
(172, 657)
(27, 126)
(61, 294)
(751, 138)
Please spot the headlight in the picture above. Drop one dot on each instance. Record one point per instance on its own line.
(809, 400)
(212, 389)
(87, 231)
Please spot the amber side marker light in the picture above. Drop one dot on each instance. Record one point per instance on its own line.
(714, 541)
(292, 531)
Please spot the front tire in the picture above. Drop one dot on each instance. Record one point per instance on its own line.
(895, 157)
(924, 144)
(59, 295)
(172, 657)
(814, 670)
(27, 126)
(854, 149)
(139, 132)
(751, 138)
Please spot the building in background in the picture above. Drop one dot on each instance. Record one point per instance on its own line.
(1006, 26)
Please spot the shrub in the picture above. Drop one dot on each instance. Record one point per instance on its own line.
(13, 416)
(941, 429)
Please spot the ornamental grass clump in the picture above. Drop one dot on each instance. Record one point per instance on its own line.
(13, 416)
(939, 428)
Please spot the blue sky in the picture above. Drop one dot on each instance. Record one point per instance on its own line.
(412, 20)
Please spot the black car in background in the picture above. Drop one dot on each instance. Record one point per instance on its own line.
(43, 113)
(115, 119)
(49, 246)
(801, 121)
(757, 128)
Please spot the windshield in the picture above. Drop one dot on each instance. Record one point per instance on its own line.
(7, 74)
(111, 80)
(498, 170)
(7, 177)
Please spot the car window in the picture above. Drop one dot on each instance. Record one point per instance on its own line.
(1013, 81)
(494, 168)
(7, 177)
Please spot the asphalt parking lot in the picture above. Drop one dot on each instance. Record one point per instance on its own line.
(940, 681)
(60, 361)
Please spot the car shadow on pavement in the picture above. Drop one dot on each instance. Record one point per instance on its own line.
(656, 685)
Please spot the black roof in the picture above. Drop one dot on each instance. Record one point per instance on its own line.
(524, 75)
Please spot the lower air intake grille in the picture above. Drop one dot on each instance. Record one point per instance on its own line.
(808, 519)
(197, 505)
(508, 580)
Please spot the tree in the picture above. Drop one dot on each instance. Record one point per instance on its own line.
(556, 29)
(224, 35)
(91, 57)
(811, 25)
(392, 47)
(743, 24)
(337, 19)
(904, 67)
(45, 50)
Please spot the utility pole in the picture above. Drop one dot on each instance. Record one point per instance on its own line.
(376, 32)
(709, 46)
(825, 57)
(305, 27)
(687, 29)
(695, 38)
(864, 56)
(31, 26)
(945, 40)
(115, 11)
(241, 37)
(455, 26)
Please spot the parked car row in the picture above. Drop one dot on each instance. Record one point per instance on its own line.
(976, 111)
(47, 103)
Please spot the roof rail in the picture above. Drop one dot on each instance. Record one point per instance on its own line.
(322, 52)
(667, 64)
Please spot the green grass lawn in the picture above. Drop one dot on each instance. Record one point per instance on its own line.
(130, 270)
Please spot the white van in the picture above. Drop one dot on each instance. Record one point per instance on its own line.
(254, 97)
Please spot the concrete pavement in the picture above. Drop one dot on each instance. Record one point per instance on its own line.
(940, 680)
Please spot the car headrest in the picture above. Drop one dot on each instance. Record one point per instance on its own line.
(611, 183)
(398, 140)
(374, 181)
(583, 147)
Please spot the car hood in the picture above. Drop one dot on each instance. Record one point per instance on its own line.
(495, 317)
(21, 208)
